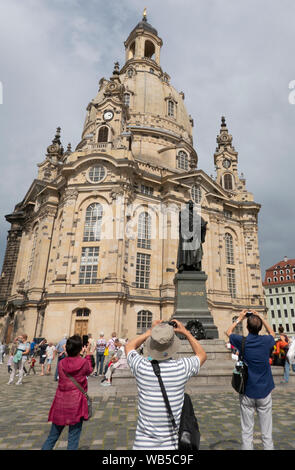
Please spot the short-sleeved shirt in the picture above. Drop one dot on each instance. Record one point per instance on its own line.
(257, 352)
(111, 345)
(23, 347)
(49, 352)
(154, 429)
(101, 345)
(60, 346)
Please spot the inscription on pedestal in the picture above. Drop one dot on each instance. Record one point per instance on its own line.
(191, 305)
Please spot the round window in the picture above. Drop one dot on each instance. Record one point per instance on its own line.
(97, 173)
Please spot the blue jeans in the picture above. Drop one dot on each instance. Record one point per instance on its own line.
(287, 370)
(55, 432)
(99, 360)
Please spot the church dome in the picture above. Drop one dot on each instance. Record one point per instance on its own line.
(143, 24)
(157, 116)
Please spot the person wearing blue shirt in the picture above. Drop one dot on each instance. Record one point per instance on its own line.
(260, 380)
(60, 351)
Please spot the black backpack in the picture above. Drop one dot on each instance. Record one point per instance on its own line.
(240, 373)
(188, 432)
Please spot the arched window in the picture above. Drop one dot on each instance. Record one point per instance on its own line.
(144, 321)
(182, 160)
(83, 312)
(144, 231)
(229, 249)
(131, 51)
(92, 228)
(171, 106)
(196, 194)
(103, 134)
(228, 181)
(149, 49)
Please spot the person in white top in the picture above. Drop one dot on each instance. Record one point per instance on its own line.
(154, 430)
(49, 357)
(119, 361)
(19, 359)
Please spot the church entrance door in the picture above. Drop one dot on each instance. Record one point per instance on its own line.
(81, 327)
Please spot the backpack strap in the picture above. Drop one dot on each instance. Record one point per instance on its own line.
(76, 383)
(243, 348)
(156, 368)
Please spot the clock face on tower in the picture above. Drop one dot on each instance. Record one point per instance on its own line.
(108, 115)
(226, 163)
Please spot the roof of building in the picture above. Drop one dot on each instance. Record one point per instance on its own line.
(283, 264)
(145, 25)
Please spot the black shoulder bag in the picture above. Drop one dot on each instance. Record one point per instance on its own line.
(240, 373)
(188, 432)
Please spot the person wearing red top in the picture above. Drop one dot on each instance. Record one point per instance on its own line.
(69, 406)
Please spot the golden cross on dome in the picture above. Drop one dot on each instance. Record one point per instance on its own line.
(144, 14)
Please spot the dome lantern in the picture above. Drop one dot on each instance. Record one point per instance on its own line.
(143, 42)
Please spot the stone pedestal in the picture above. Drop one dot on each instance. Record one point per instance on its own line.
(191, 301)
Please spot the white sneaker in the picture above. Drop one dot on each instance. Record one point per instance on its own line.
(18, 383)
(10, 382)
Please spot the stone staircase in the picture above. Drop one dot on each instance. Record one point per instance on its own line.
(215, 373)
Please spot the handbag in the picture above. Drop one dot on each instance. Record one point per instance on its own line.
(240, 373)
(89, 399)
(188, 432)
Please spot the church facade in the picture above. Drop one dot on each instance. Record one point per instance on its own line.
(93, 244)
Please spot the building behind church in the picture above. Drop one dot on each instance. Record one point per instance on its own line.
(93, 244)
(279, 288)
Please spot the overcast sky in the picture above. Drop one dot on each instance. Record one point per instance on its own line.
(229, 57)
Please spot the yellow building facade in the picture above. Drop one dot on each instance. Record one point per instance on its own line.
(93, 245)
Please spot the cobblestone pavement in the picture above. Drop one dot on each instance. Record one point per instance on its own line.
(24, 411)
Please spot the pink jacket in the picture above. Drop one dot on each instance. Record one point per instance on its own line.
(69, 404)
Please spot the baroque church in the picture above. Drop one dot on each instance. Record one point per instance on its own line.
(93, 244)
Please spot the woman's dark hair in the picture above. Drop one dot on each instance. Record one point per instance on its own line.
(254, 324)
(74, 345)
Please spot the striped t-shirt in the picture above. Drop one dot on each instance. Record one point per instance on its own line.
(154, 429)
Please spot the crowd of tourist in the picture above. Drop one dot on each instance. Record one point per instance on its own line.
(78, 357)
(23, 356)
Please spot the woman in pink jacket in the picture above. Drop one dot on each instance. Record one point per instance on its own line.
(69, 407)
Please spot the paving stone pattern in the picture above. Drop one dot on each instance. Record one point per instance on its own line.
(24, 411)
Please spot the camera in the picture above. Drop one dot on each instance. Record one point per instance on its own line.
(248, 314)
(172, 323)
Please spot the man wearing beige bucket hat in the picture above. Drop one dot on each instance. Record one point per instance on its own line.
(154, 430)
